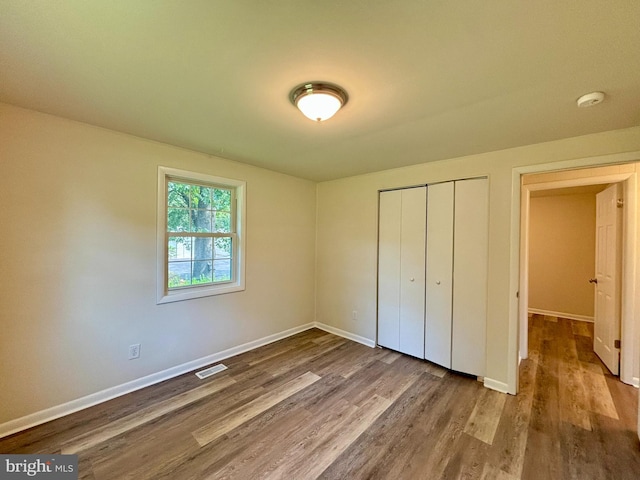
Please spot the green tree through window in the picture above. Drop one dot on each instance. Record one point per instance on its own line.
(199, 234)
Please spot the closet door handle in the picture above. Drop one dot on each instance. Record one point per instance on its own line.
(412, 279)
(593, 280)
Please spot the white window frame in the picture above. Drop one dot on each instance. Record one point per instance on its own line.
(164, 295)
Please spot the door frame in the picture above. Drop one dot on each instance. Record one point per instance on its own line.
(521, 194)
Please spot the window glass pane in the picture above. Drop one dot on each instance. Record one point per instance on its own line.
(202, 272)
(222, 199)
(202, 248)
(201, 197)
(222, 270)
(179, 248)
(179, 274)
(223, 247)
(178, 194)
(200, 221)
(222, 222)
(177, 220)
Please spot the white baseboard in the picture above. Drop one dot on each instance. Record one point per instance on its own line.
(348, 335)
(570, 316)
(58, 411)
(636, 382)
(496, 385)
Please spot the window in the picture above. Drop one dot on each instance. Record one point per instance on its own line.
(200, 235)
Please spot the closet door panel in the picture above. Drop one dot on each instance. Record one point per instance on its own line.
(412, 271)
(439, 277)
(389, 269)
(470, 276)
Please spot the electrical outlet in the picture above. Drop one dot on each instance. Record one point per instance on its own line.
(134, 351)
(354, 315)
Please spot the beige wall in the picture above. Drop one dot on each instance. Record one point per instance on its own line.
(347, 236)
(562, 254)
(78, 262)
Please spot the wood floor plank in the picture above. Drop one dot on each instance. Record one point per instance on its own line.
(580, 328)
(326, 338)
(600, 399)
(263, 455)
(208, 433)
(146, 415)
(617, 448)
(447, 432)
(543, 439)
(489, 472)
(390, 357)
(327, 449)
(483, 422)
(135, 454)
(510, 440)
(435, 370)
(373, 453)
(467, 461)
(319, 448)
(581, 453)
(592, 367)
(345, 360)
(393, 382)
(543, 458)
(574, 401)
(300, 357)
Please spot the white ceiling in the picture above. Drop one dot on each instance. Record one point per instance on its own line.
(427, 79)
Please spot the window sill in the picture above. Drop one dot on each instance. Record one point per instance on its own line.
(198, 292)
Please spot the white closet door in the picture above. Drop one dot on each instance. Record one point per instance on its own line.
(470, 276)
(439, 278)
(389, 269)
(412, 271)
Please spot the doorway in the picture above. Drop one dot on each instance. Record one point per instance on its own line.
(563, 265)
(589, 177)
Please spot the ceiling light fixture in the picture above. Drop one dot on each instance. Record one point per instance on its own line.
(318, 101)
(590, 99)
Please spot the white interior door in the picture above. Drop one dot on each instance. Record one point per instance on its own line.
(470, 251)
(389, 269)
(439, 279)
(608, 270)
(412, 271)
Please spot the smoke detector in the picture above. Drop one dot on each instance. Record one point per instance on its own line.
(590, 99)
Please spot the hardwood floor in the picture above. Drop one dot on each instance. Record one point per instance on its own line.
(319, 406)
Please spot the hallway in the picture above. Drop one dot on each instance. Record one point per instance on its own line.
(583, 419)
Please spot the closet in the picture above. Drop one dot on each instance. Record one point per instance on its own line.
(432, 273)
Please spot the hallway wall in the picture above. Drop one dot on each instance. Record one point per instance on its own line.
(562, 254)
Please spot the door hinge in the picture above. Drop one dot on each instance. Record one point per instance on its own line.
(518, 294)
(616, 343)
(619, 203)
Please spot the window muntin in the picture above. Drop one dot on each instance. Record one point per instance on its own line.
(202, 220)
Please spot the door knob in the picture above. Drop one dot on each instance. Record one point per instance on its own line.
(411, 279)
(593, 280)
(437, 282)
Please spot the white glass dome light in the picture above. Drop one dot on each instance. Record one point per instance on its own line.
(318, 101)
